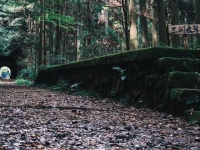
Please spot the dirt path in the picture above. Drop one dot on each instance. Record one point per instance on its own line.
(33, 118)
(7, 82)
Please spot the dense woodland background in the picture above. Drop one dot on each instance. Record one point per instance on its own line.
(51, 32)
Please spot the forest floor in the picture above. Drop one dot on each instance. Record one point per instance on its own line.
(34, 118)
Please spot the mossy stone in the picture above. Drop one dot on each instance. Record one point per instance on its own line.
(169, 64)
(133, 55)
(182, 99)
(179, 79)
(193, 117)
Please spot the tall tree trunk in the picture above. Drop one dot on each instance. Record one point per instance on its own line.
(106, 17)
(35, 22)
(89, 18)
(64, 36)
(197, 21)
(51, 41)
(41, 36)
(30, 55)
(143, 24)
(57, 33)
(174, 20)
(79, 37)
(57, 50)
(133, 26)
(44, 38)
(162, 23)
(126, 22)
(154, 24)
(64, 45)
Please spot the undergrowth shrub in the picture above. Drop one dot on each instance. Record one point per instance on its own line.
(28, 74)
(23, 82)
(61, 85)
(85, 93)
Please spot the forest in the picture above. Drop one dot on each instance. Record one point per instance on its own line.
(47, 32)
(99, 74)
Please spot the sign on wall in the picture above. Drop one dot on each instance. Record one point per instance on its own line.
(184, 29)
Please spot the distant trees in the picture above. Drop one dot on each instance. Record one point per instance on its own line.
(50, 32)
(197, 21)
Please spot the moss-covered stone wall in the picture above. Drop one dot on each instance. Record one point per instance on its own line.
(147, 77)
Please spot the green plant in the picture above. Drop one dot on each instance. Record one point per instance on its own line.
(61, 85)
(85, 93)
(28, 73)
(23, 82)
(194, 117)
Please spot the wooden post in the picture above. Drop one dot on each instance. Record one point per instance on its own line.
(185, 42)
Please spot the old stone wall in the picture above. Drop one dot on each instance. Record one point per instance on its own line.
(145, 77)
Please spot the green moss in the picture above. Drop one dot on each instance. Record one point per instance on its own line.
(182, 99)
(158, 52)
(133, 55)
(85, 93)
(23, 82)
(178, 79)
(169, 64)
(175, 93)
(188, 97)
(182, 88)
(109, 59)
(194, 117)
(61, 85)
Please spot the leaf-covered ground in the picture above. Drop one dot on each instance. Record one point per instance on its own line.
(37, 119)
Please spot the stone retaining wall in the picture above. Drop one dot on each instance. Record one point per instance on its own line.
(137, 77)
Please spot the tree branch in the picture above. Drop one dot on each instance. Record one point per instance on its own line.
(6, 12)
(3, 3)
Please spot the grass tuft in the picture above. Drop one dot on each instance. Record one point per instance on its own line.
(23, 82)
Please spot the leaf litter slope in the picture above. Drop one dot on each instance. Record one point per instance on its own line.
(35, 118)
